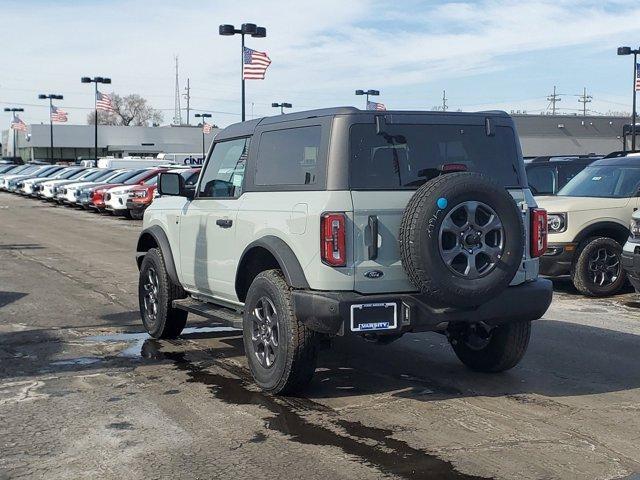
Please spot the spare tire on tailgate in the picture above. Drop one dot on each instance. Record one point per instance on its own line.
(461, 239)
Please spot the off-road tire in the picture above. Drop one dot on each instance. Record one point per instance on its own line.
(295, 362)
(135, 215)
(419, 239)
(507, 345)
(580, 268)
(169, 321)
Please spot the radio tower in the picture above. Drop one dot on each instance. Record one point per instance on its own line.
(177, 114)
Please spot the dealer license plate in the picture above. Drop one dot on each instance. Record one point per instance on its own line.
(371, 317)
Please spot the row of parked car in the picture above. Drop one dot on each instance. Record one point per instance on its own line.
(120, 191)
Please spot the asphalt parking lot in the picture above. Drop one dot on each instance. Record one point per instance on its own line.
(85, 394)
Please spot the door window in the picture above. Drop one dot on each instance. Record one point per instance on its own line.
(224, 174)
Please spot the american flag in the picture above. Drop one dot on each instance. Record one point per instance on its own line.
(58, 115)
(206, 127)
(375, 106)
(637, 77)
(254, 64)
(18, 124)
(103, 102)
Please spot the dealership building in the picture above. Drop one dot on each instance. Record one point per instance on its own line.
(539, 135)
(72, 142)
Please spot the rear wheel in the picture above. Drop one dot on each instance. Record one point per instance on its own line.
(281, 351)
(156, 293)
(598, 270)
(491, 350)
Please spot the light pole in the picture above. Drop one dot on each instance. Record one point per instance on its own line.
(203, 116)
(51, 97)
(282, 106)
(246, 29)
(367, 93)
(95, 80)
(13, 110)
(629, 51)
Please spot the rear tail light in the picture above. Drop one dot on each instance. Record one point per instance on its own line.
(538, 232)
(333, 244)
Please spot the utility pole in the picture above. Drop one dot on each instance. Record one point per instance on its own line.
(444, 101)
(188, 98)
(554, 98)
(584, 99)
(177, 113)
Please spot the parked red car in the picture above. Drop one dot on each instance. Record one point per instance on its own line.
(141, 196)
(137, 177)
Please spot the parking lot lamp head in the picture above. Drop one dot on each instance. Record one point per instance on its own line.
(624, 50)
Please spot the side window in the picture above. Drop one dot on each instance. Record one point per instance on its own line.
(289, 157)
(541, 180)
(567, 172)
(224, 174)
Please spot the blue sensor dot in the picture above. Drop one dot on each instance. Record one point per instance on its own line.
(442, 202)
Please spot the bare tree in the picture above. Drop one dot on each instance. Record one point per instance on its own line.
(131, 110)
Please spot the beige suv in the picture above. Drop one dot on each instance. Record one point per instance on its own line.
(588, 222)
(344, 222)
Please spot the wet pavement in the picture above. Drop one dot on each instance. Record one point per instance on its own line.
(84, 393)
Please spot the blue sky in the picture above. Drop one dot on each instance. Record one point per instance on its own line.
(486, 54)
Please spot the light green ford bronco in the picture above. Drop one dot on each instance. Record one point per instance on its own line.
(346, 222)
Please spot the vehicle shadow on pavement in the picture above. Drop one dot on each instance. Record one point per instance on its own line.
(564, 359)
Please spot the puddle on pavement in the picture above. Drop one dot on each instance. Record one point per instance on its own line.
(373, 446)
(137, 340)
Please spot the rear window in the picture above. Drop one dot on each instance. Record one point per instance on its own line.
(409, 155)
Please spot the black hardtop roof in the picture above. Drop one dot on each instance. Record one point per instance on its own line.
(628, 161)
(246, 128)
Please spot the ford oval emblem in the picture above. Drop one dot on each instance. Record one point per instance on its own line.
(373, 274)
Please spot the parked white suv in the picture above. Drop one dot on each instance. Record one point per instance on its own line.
(589, 223)
(339, 221)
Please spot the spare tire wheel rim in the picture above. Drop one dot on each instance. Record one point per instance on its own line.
(264, 332)
(604, 267)
(471, 239)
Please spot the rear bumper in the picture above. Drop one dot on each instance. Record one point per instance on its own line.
(558, 259)
(329, 312)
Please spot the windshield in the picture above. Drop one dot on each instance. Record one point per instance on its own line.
(137, 178)
(94, 175)
(405, 156)
(102, 175)
(52, 172)
(605, 181)
(26, 170)
(124, 176)
(76, 174)
(6, 168)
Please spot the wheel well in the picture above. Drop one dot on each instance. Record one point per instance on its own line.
(145, 243)
(256, 260)
(619, 233)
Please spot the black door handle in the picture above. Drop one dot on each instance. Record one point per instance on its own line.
(373, 228)
(224, 223)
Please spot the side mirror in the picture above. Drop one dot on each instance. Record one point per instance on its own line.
(172, 184)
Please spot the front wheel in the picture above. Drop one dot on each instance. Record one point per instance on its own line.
(156, 293)
(598, 270)
(281, 351)
(491, 350)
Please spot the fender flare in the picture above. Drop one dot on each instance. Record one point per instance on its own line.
(287, 260)
(606, 225)
(162, 241)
